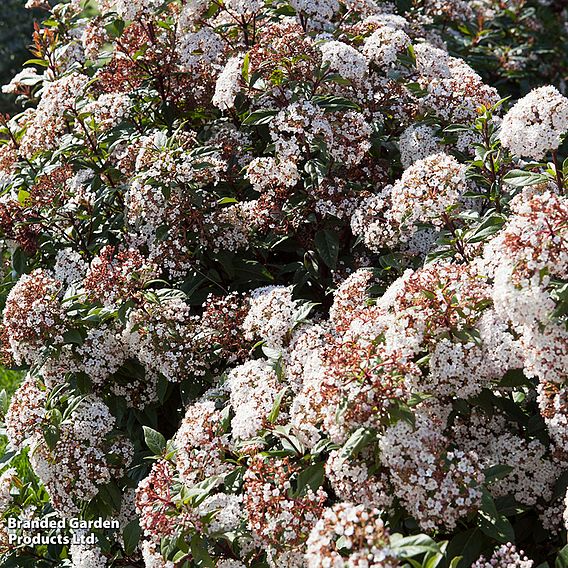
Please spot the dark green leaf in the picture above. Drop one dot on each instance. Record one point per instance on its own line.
(19, 261)
(515, 378)
(468, 546)
(311, 477)
(497, 472)
(131, 536)
(51, 435)
(199, 552)
(492, 523)
(260, 117)
(414, 545)
(73, 336)
(327, 246)
(334, 103)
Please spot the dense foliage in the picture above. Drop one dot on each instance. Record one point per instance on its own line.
(289, 281)
(16, 28)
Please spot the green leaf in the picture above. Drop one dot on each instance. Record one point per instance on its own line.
(23, 196)
(467, 546)
(497, 472)
(154, 440)
(246, 67)
(168, 547)
(310, 478)
(73, 336)
(260, 117)
(246, 270)
(322, 446)
(196, 493)
(302, 313)
(115, 28)
(334, 103)
(327, 246)
(457, 128)
(414, 545)
(357, 441)
(40, 62)
(317, 170)
(273, 416)
(289, 441)
(233, 481)
(111, 495)
(131, 536)
(562, 558)
(19, 261)
(432, 560)
(520, 178)
(486, 229)
(51, 435)
(179, 556)
(4, 402)
(199, 552)
(515, 378)
(342, 544)
(55, 416)
(492, 523)
(6, 458)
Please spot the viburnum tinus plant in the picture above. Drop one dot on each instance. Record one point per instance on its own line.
(290, 284)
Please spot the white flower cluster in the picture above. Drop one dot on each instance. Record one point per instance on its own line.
(418, 142)
(33, 314)
(344, 59)
(436, 485)
(6, 481)
(427, 193)
(385, 44)
(253, 389)
(108, 110)
(266, 173)
(129, 9)
(533, 473)
(47, 122)
(87, 556)
(271, 315)
(454, 90)
(362, 532)
(530, 253)
(206, 227)
(228, 84)
(82, 453)
(506, 555)
(200, 443)
(536, 123)
(319, 10)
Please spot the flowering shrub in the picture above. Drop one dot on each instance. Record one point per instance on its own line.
(286, 288)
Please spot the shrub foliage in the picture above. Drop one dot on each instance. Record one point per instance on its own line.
(289, 284)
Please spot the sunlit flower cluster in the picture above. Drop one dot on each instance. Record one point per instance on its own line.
(285, 290)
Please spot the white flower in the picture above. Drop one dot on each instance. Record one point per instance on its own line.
(228, 83)
(536, 123)
(343, 59)
(384, 45)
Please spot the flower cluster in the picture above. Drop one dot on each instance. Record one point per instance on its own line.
(285, 288)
